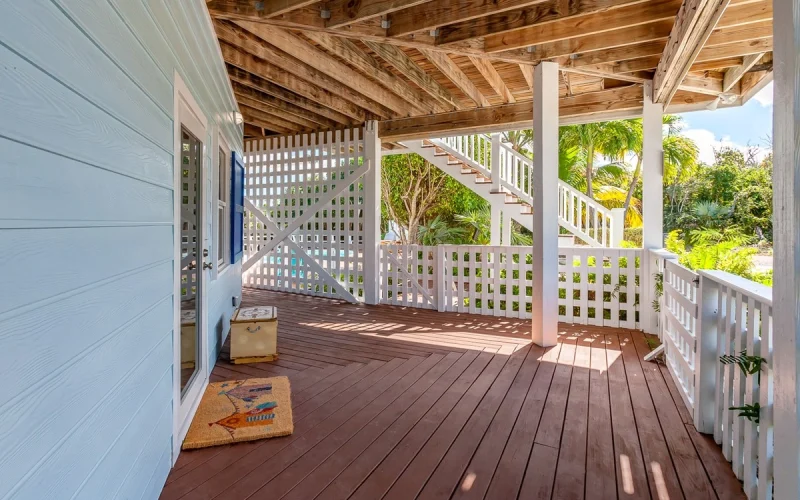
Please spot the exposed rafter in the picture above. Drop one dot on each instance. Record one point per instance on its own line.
(252, 44)
(245, 94)
(300, 49)
(733, 75)
(493, 78)
(248, 63)
(344, 12)
(456, 75)
(693, 25)
(243, 78)
(413, 72)
(537, 14)
(353, 55)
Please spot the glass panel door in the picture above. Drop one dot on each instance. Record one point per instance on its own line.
(191, 256)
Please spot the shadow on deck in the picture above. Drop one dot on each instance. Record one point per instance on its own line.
(401, 403)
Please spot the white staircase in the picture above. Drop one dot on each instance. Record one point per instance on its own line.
(497, 173)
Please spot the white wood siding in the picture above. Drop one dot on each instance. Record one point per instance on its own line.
(86, 238)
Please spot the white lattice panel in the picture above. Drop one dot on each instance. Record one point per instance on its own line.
(409, 275)
(285, 177)
(190, 157)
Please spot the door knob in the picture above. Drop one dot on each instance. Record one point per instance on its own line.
(207, 265)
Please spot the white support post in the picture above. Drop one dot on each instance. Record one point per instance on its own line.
(705, 358)
(617, 227)
(494, 230)
(372, 214)
(544, 301)
(506, 229)
(786, 228)
(652, 200)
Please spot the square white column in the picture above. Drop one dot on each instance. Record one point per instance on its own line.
(544, 301)
(652, 202)
(372, 213)
(786, 230)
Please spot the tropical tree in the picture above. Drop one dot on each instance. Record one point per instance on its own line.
(610, 139)
(520, 140)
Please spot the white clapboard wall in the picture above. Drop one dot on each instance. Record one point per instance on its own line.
(310, 185)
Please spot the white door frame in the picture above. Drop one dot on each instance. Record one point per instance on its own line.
(187, 114)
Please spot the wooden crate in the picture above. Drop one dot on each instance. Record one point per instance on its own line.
(254, 335)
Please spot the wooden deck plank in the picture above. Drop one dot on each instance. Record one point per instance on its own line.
(445, 479)
(476, 479)
(349, 479)
(409, 403)
(552, 423)
(692, 476)
(660, 470)
(362, 429)
(571, 468)
(600, 471)
(631, 474)
(412, 480)
(510, 471)
(385, 475)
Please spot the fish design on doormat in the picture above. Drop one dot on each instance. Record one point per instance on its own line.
(248, 411)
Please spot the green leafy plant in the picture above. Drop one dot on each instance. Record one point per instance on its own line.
(751, 412)
(750, 365)
(658, 288)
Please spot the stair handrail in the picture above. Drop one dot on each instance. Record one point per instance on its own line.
(458, 147)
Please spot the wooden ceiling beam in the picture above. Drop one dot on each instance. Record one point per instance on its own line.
(527, 74)
(508, 116)
(243, 91)
(251, 130)
(624, 17)
(263, 86)
(345, 12)
(733, 75)
(252, 44)
(453, 73)
(493, 78)
(537, 14)
(695, 21)
(735, 50)
(248, 8)
(353, 55)
(268, 121)
(300, 49)
(716, 64)
(245, 100)
(442, 12)
(413, 72)
(248, 63)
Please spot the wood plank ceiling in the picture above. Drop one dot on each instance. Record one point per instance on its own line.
(426, 66)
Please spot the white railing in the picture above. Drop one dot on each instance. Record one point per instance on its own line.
(408, 275)
(707, 317)
(512, 172)
(597, 286)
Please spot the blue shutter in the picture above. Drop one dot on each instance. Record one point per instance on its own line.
(237, 207)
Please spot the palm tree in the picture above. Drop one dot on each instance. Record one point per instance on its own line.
(680, 152)
(611, 139)
(520, 140)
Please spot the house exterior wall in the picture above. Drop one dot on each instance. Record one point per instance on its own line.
(86, 238)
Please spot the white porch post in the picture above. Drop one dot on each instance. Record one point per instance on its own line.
(544, 301)
(786, 220)
(652, 201)
(506, 239)
(372, 213)
(494, 233)
(494, 230)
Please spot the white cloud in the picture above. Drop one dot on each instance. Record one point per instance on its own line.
(707, 142)
(764, 96)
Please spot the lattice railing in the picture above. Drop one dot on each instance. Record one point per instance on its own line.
(707, 317)
(597, 286)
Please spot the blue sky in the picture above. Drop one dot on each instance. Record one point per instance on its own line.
(736, 127)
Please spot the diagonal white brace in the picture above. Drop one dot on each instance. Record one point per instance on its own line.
(323, 200)
(413, 280)
(301, 254)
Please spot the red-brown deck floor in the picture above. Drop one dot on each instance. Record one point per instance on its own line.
(401, 403)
